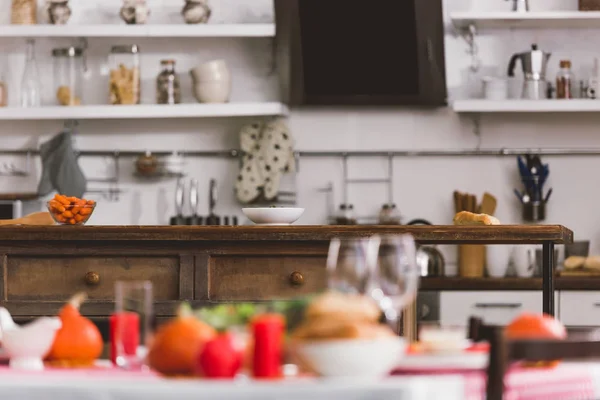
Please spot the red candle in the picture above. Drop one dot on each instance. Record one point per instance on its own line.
(268, 333)
(124, 328)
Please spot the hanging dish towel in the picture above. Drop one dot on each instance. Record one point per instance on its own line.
(60, 169)
(268, 154)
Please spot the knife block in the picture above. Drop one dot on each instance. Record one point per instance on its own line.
(471, 260)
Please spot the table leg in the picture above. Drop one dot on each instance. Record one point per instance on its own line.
(548, 278)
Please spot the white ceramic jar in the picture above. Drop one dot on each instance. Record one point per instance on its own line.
(495, 88)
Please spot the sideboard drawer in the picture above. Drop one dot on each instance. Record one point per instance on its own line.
(254, 278)
(580, 308)
(495, 307)
(58, 278)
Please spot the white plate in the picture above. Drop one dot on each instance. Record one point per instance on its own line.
(443, 361)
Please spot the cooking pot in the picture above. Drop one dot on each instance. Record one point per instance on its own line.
(430, 260)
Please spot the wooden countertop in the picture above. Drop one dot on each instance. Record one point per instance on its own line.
(442, 234)
(472, 284)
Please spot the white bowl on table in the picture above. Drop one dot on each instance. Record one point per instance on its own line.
(273, 215)
(356, 358)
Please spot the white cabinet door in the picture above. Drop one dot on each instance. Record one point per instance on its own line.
(580, 308)
(495, 307)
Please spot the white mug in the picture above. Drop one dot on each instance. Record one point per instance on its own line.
(523, 259)
(497, 259)
(495, 88)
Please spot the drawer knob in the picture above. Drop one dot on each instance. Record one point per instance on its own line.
(296, 278)
(92, 278)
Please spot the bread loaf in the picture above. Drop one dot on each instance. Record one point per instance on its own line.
(469, 218)
(574, 262)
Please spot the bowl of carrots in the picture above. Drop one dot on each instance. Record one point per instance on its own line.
(70, 210)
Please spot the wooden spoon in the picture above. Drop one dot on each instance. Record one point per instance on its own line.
(38, 218)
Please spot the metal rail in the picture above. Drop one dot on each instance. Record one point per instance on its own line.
(403, 153)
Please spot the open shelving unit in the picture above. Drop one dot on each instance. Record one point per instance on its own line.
(525, 106)
(139, 31)
(529, 20)
(144, 111)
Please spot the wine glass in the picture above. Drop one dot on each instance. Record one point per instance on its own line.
(395, 276)
(347, 267)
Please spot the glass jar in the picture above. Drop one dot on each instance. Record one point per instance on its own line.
(124, 63)
(24, 12)
(167, 84)
(565, 81)
(68, 75)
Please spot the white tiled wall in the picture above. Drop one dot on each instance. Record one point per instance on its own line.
(423, 186)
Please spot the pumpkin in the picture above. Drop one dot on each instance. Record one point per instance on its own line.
(536, 326)
(78, 342)
(176, 344)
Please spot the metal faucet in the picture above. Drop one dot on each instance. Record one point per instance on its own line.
(520, 5)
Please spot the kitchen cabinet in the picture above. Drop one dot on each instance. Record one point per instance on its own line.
(496, 308)
(578, 308)
(352, 52)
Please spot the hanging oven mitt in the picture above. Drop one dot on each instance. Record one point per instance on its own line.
(276, 156)
(249, 181)
(60, 169)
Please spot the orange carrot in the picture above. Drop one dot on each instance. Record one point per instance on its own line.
(67, 214)
(79, 218)
(60, 218)
(75, 210)
(91, 202)
(85, 211)
(72, 221)
(81, 203)
(62, 199)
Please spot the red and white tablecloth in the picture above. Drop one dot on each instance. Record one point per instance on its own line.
(578, 381)
(565, 382)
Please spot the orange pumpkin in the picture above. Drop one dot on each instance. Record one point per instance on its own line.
(176, 344)
(78, 342)
(536, 326)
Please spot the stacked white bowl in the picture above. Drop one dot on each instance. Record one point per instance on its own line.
(212, 82)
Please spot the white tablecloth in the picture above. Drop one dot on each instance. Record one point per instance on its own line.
(398, 388)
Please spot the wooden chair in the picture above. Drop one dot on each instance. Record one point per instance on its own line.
(503, 352)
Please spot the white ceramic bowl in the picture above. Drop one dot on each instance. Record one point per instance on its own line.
(211, 71)
(273, 215)
(213, 92)
(357, 358)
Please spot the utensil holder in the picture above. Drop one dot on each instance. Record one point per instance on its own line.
(589, 5)
(471, 260)
(534, 211)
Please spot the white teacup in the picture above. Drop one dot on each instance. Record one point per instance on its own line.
(498, 257)
(216, 70)
(523, 258)
(212, 92)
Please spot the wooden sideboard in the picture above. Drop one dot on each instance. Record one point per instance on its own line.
(43, 266)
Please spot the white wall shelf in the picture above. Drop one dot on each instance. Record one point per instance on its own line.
(530, 20)
(525, 106)
(144, 111)
(151, 31)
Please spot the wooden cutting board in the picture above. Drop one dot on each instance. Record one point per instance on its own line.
(580, 272)
(39, 218)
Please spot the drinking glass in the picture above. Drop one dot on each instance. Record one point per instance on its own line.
(131, 323)
(347, 266)
(395, 274)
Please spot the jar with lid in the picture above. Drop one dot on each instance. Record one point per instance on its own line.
(389, 215)
(68, 75)
(124, 85)
(345, 215)
(167, 84)
(565, 81)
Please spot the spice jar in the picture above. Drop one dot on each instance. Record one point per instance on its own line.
(24, 12)
(389, 215)
(167, 84)
(134, 12)
(345, 215)
(564, 81)
(124, 83)
(68, 75)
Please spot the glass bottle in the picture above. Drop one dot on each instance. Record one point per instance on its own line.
(31, 87)
(564, 81)
(167, 84)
